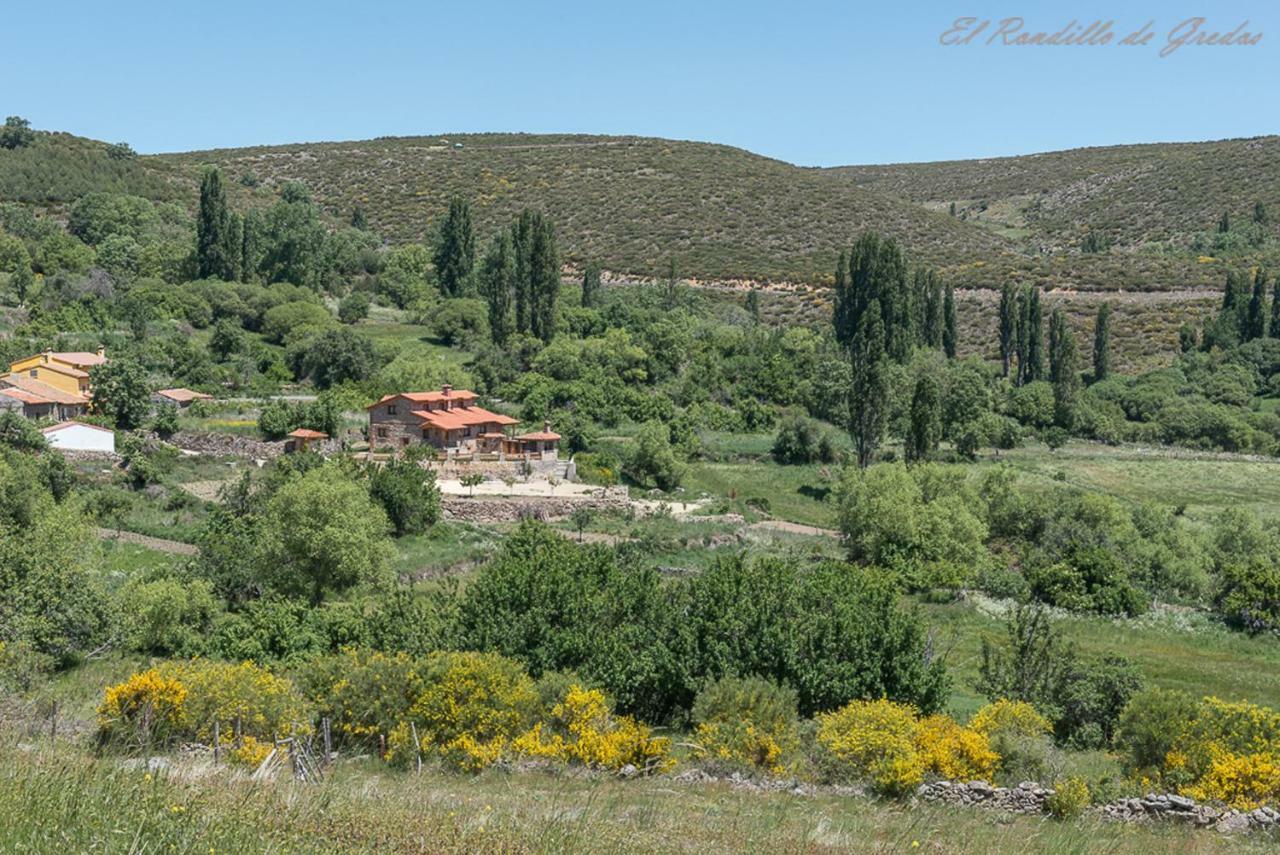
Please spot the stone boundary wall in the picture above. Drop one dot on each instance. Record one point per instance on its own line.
(488, 509)
(1031, 798)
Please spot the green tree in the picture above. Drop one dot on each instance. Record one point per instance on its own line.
(407, 493)
(1008, 325)
(869, 394)
(537, 275)
(925, 430)
(358, 219)
(1102, 343)
(120, 392)
(949, 334)
(292, 239)
(497, 285)
(753, 305)
(1057, 329)
(455, 251)
(217, 244)
(21, 281)
(929, 299)
(336, 356)
(652, 460)
(1066, 388)
(1256, 320)
(354, 307)
(1035, 337)
(590, 285)
(671, 285)
(16, 133)
(322, 533)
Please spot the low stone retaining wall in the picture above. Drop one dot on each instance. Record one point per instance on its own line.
(488, 509)
(226, 444)
(1031, 798)
(1027, 797)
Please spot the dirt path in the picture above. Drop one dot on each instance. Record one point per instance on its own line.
(792, 528)
(173, 547)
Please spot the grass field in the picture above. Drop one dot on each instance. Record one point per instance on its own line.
(57, 799)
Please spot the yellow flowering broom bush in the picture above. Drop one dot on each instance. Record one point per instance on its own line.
(472, 706)
(583, 730)
(181, 700)
(746, 724)
(150, 708)
(364, 694)
(1230, 753)
(889, 746)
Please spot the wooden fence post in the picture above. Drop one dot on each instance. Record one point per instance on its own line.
(417, 748)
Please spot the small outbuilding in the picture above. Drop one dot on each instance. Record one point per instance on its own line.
(78, 436)
(300, 439)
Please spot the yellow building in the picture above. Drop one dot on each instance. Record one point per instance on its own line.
(67, 370)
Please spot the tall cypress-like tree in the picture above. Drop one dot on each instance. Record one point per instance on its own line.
(1035, 336)
(1067, 387)
(1255, 325)
(1057, 328)
(949, 332)
(876, 272)
(753, 305)
(455, 254)
(1102, 343)
(928, 290)
(544, 280)
(1008, 326)
(497, 284)
(217, 245)
(869, 393)
(522, 231)
(590, 285)
(925, 430)
(1274, 329)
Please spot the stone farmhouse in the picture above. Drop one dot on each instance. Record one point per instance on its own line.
(450, 421)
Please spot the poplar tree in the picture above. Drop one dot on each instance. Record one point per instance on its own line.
(590, 285)
(753, 305)
(1057, 327)
(1035, 336)
(455, 254)
(1274, 330)
(217, 248)
(544, 281)
(1102, 343)
(925, 430)
(928, 290)
(1008, 326)
(874, 271)
(1255, 325)
(521, 240)
(1067, 387)
(869, 394)
(949, 338)
(497, 283)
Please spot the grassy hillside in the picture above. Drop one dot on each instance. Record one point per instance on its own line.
(1156, 206)
(629, 201)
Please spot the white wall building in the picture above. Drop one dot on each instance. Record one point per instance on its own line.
(77, 436)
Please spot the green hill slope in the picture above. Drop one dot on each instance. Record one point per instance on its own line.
(629, 202)
(1149, 204)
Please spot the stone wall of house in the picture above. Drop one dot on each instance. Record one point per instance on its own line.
(399, 427)
(489, 509)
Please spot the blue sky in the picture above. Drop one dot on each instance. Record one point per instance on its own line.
(815, 83)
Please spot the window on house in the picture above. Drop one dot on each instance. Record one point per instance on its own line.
(32, 372)
(382, 433)
(391, 409)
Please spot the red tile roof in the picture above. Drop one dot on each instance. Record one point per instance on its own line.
(428, 397)
(79, 358)
(307, 433)
(47, 393)
(542, 435)
(460, 417)
(63, 368)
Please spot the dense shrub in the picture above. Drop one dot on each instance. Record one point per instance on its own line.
(801, 440)
(746, 724)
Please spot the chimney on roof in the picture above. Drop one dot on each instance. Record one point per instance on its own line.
(546, 426)
(446, 389)
(102, 351)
